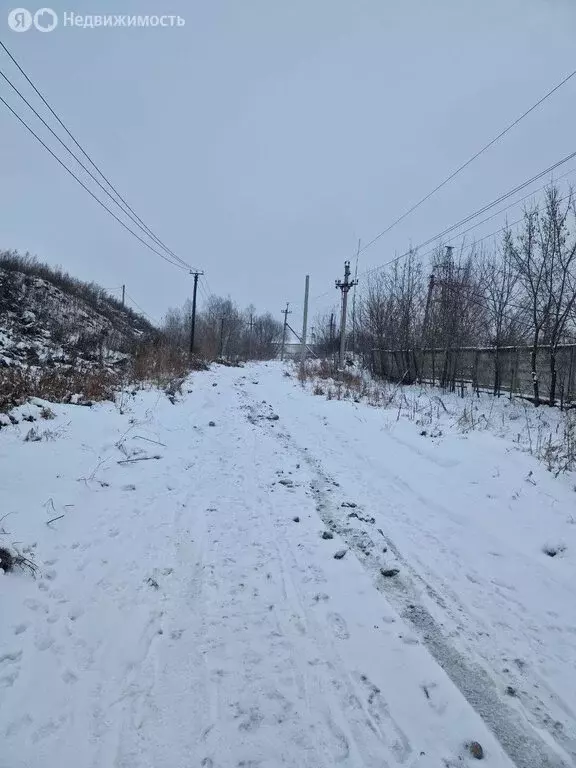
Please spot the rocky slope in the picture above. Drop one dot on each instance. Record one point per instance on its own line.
(48, 319)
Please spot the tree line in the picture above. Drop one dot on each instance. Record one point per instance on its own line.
(223, 330)
(521, 290)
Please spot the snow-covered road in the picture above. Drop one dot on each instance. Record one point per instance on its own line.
(189, 609)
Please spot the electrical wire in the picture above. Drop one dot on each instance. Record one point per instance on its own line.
(141, 310)
(97, 199)
(127, 209)
(470, 160)
(482, 210)
(88, 171)
(470, 217)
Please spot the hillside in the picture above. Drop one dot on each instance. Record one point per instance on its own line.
(48, 318)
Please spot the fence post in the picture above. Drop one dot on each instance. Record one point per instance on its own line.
(570, 375)
(514, 372)
(475, 373)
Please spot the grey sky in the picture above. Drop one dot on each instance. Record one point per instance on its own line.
(264, 137)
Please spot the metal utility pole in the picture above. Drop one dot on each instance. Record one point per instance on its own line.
(193, 323)
(304, 323)
(427, 310)
(344, 286)
(123, 294)
(285, 312)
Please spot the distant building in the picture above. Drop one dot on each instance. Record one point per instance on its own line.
(292, 349)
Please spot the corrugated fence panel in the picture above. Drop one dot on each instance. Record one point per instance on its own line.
(502, 370)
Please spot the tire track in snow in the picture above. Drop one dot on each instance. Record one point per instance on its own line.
(521, 743)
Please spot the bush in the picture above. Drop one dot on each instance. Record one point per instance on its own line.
(17, 385)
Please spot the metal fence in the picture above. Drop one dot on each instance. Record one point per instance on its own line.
(503, 370)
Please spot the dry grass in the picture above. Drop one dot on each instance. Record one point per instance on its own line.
(47, 413)
(338, 385)
(10, 560)
(153, 364)
(17, 385)
(552, 441)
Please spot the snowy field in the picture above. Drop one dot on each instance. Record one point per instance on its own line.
(305, 582)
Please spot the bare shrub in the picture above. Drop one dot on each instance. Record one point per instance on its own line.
(160, 364)
(17, 385)
(558, 450)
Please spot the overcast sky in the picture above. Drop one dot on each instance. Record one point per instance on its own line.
(264, 137)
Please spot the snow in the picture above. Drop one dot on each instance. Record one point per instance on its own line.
(182, 617)
(36, 312)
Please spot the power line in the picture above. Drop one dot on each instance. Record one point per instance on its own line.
(507, 226)
(126, 208)
(210, 291)
(140, 308)
(203, 291)
(88, 171)
(74, 176)
(470, 217)
(482, 210)
(470, 160)
(507, 208)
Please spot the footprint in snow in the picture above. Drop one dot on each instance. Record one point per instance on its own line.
(35, 605)
(75, 613)
(339, 626)
(69, 677)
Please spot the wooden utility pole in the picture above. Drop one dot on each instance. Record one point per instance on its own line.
(304, 323)
(354, 299)
(285, 312)
(251, 325)
(424, 336)
(344, 286)
(193, 322)
(123, 294)
(221, 353)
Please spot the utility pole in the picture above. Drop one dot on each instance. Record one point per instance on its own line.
(193, 323)
(344, 286)
(332, 337)
(251, 324)
(304, 323)
(285, 312)
(123, 294)
(354, 299)
(221, 353)
(427, 310)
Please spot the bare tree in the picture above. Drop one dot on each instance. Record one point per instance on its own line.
(561, 244)
(501, 291)
(267, 333)
(544, 254)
